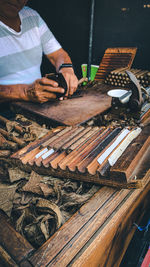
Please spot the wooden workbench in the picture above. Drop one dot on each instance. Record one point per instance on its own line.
(98, 234)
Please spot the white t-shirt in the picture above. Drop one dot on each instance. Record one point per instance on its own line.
(21, 52)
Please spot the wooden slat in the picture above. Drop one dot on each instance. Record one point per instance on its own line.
(5, 259)
(102, 146)
(83, 139)
(30, 147)
(14, 244)
(79, 149)
(85, 151)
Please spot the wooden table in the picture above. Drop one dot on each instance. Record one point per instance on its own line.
(97, 235)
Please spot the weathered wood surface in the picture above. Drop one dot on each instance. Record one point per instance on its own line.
(5, 259)
(11, 242)
(72, 111)
(99, 233)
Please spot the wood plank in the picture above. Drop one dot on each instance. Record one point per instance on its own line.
(5, 259)
(72, 111)
(87, 148)
(14, 244)
(86, 233)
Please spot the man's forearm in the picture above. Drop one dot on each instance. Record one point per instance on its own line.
(13, 92)
(58, 58)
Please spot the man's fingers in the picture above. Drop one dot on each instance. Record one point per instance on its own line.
(72, 87)
(72, 90)
(53, 89)
(48, 87)
(46, 81)
(44, 96)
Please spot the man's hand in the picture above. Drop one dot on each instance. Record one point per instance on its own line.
(58, 58)
(71, 79)
(42, 90)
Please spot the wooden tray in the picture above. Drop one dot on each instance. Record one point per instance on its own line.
(115, 58)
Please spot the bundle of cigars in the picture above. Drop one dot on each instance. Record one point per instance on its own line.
(103, 155)
(120, 78)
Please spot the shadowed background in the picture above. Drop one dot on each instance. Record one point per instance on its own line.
(116, 23)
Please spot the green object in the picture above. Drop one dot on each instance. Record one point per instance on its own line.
(94, 69)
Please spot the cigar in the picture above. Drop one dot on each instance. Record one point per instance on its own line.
(19, 141)
(5, 144)
(17, 127)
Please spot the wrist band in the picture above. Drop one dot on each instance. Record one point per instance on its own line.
(65, 65)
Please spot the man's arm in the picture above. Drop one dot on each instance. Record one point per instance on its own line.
(12, 92)
(58, 58)
(40, 91)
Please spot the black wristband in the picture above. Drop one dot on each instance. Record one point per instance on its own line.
(65, 65)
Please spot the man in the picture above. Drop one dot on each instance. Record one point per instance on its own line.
(24, 37)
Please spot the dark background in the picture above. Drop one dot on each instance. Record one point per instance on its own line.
(117, 23)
